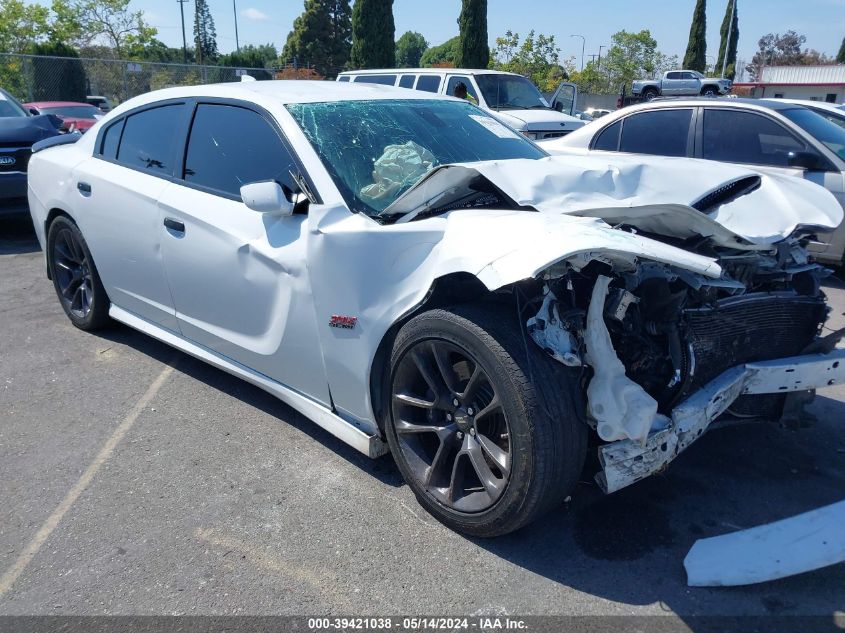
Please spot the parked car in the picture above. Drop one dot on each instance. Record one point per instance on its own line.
(98, 101)
(18, 131)
(75, 116)
(768, 135)
(677, 83)
(597, 113)
(509, 97)
(412, 274)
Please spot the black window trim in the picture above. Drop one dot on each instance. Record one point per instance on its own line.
(691, 132)
(176, 174)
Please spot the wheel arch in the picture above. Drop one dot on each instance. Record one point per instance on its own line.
(448, 290)
(707, 87)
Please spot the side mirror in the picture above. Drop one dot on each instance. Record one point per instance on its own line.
(558, 106)
(266, 197)
(805, 159)
(34, 111)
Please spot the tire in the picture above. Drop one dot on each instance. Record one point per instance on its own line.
(708, 91)
(650, 94)
(75, 277)
(525, 403)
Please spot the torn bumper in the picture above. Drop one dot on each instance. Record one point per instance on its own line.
(625, 462)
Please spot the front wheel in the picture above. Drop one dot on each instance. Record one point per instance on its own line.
(75, 277)
(484, 428)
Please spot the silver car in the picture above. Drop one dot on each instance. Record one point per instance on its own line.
(768, 136)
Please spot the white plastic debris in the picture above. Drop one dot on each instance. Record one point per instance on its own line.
(791, 546)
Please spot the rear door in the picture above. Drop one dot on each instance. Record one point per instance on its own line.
(671, 84)
(238, 277)
(118, 190)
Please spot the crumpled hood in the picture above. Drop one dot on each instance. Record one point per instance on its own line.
(29, 129)
(536, 120)
(653, 194)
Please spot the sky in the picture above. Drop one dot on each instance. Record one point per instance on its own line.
(263, 21)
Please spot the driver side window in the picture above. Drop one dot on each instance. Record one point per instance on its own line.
(230, 146)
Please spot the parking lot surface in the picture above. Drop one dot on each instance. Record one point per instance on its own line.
(137, 480)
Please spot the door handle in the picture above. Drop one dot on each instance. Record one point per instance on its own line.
(174, 225)
(84, 188)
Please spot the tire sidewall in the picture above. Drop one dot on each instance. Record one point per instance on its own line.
(460, 332)
(99, 300)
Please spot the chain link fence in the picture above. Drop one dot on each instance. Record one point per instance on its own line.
(45, 78)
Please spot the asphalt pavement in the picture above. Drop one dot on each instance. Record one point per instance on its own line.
(137, 480)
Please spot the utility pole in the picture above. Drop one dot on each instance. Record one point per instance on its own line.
(598, 63)
(583, 44)
(184, 39)
(728, 41)
(235, 9)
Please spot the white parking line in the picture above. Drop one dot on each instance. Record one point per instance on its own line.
(102, 457)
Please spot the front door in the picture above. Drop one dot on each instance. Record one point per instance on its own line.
(238, 277)
(565, 98)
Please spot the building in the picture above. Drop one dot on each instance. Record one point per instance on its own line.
(817, 83)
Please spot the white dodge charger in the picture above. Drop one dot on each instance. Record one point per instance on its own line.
(414, 276)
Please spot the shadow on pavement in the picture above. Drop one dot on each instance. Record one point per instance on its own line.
(17, 236)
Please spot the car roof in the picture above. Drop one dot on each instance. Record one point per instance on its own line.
(281, 92)
(54, 104)
(428, 71)
(771, 104)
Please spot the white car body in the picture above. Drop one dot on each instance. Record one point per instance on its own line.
(830, 249)
(548, 119)
(260, 293)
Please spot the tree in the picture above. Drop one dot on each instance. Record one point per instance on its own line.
(252, 57)
(474, 51)
(321, 37)
(21, 24)
(205, 35)
(372, 34)
(696, 55)
(409, 49)
(729, 47)
(630, 56)
(57, 79)
(87, 22)
(536, 57)
(840, 56)
(775, 49)
(444, 55)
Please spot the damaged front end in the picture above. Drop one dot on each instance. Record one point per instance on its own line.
(666, 351)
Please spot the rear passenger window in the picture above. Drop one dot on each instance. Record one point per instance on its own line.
(660, 132)
(386, 80)
(428, 83)
(344, 78)
(231, 146)
(150, 138)
(111, 139)
(407, 81)
(608, 140)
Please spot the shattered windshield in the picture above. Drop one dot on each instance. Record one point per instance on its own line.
(376, 150)
(510, 92)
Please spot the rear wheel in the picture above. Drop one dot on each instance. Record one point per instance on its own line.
(708, 91)
(485, 448)
(75, 276)
(650, 94)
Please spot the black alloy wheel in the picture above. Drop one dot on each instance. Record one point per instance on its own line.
(75, 276)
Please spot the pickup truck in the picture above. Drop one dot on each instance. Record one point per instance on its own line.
(676, 83)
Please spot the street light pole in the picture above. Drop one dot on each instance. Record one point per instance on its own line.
(583, 44)
(235, 9)
(728, 41)
(184, 39)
